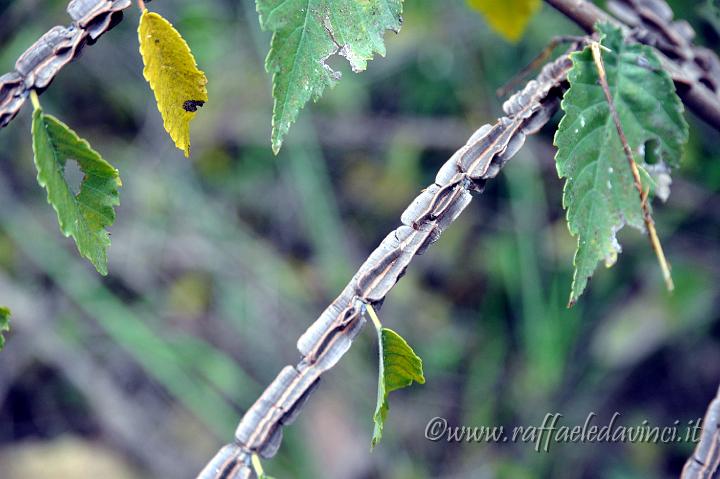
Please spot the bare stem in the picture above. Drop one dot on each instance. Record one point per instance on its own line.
(647, 217)
(141, 5)
(374, 317)
(255, 459)
(34, 99)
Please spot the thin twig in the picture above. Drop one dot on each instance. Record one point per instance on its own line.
(536, 62)
(331, 335)
(374, 317)
(255, 460)
(34, 99)
(647, 216)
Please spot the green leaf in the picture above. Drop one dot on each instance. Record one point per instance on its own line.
(599, 194)
(509, 18)
(173, 75)
(305, 34)
(83, 215)
(4, 324)
(399, 367)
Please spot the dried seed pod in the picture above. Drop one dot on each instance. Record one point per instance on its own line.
(231, 462)
(388, 266)
(476, 160)
(412, 214)
(705, 461)
(44, 51)
(12, 96)
(337, 338)
(95, 16)
(310, 339)
(262, 419)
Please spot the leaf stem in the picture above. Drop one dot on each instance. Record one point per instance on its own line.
(34, 100)
(374, 316)
(255, 459)
(595, 47)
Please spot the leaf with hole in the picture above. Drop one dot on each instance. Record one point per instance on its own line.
(399, 366)
(84, 215)
(599, 194)
(173, 75)
(508, 18)
(305, 34)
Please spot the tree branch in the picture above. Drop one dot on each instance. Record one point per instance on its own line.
(694, 70)
(705, 461)
(37, 67)
(327, 340)
(324, 343)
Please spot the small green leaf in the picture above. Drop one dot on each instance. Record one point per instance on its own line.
(305, 34)
(399, 367)
(84, 215)
(599, 194)
(509, 18)
(4, 324)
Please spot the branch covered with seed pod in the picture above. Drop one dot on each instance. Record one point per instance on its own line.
(705, 461)
(695, 70)
(485, 153)
(37, 67)
(331, 335)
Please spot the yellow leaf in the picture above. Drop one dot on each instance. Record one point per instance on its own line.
(173, 75)
(509, 17)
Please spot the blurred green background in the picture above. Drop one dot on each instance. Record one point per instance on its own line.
(220, 262)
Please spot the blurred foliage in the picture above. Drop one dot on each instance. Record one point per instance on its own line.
(4, 324)
(508, 18)
(220, 262)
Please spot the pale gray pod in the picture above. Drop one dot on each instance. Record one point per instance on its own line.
(449, 170)
(293, 411)
(533, 124)
(519, 101)
(95, 16)
(420, 204)
(258, 423)
(40, 63)
(336, 341)
(231, 462)
(705, 461)
(309, 339)
(43, 51)
(374, 284)
(511, 149)
(12, 96)
(451, 212)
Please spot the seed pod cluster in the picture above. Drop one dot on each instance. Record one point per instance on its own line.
(38, 65)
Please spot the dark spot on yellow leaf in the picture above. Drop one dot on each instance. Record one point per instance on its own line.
(192, 105)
